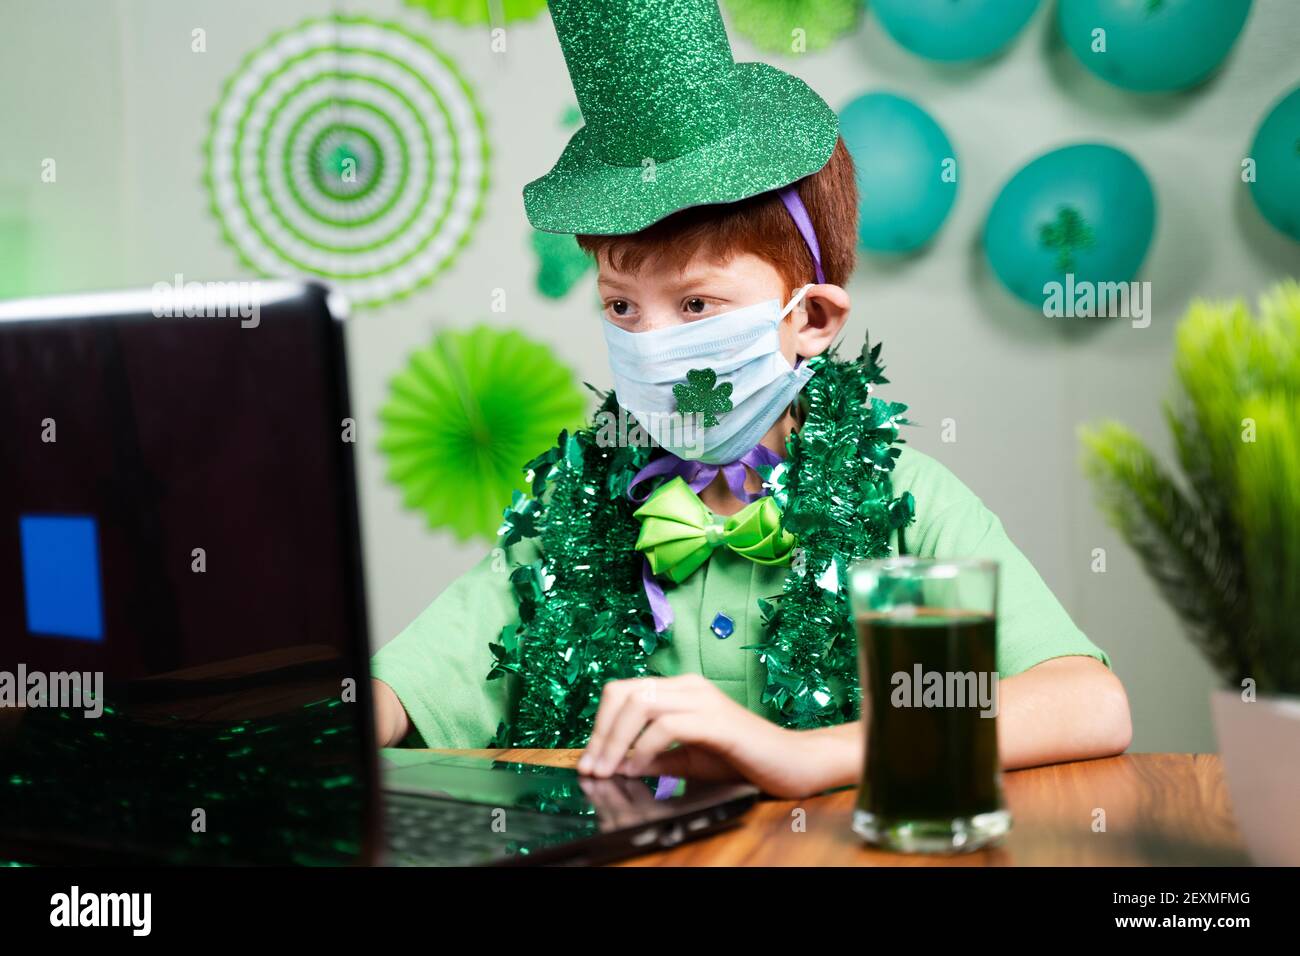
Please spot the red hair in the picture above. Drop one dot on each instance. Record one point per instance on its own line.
(759, 225)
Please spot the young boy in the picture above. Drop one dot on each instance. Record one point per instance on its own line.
(676, 605)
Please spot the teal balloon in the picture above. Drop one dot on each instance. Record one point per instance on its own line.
(1152, 46)
(1276, 152)
(906, 171)
(953, 30)
(1087, 210)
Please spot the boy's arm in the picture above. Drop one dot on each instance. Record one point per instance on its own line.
(391, 723)
(1058, 699)
(1066, 708)
(430, 681)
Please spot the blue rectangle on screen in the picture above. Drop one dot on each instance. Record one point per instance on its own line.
(61, 580)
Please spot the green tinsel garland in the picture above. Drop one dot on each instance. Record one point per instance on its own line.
(584, 618)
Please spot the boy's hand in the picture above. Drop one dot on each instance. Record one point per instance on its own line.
(718, 739)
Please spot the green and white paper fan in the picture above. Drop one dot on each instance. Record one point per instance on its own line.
(463, 418)
(351, 150)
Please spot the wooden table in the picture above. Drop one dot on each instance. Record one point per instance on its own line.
(1157, 809)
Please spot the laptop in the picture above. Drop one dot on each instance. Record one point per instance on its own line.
(183, 649)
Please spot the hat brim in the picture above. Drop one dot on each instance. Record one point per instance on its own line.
(785, 132)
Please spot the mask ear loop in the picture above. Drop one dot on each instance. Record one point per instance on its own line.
(794, 300)
(790, 307)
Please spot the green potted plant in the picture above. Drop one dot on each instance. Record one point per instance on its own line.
(1222, 539)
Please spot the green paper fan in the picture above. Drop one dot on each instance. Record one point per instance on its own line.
(770, 24)
(472, 12)
(465, 415)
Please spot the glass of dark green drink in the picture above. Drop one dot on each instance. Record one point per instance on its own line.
(927, 647)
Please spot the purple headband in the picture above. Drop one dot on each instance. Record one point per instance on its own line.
(803, 222)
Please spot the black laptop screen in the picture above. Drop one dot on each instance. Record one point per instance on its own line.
(182, 648)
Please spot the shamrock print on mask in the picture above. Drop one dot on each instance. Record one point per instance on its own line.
(699, 394)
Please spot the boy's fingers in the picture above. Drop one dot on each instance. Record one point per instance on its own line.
(611, 701)
(637, 705)
(635, 711)
(625, 708)
(660, 734)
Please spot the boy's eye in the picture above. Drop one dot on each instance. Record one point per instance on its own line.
(619, 307)
(696, 305)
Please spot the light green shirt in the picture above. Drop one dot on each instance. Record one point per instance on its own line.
(437, 665)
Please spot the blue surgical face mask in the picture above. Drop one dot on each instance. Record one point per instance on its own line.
(741, 348)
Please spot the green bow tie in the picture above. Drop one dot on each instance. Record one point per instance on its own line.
(678, 533)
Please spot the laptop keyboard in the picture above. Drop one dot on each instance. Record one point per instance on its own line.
(427, 831)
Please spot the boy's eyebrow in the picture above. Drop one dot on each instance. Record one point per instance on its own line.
(699, 273)
(696, 276)
(609, 282)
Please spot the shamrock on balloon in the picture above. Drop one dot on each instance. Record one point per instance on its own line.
(701, 393)
(1067, 234)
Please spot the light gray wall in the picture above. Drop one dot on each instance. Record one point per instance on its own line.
(111, 90)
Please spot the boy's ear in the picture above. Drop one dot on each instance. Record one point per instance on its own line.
(818, 320)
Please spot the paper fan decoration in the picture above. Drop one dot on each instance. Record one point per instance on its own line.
(463, 418)
(771, 24)
(473, 12)
(350, 150)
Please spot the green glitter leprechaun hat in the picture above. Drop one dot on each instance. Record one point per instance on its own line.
(672, 121)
